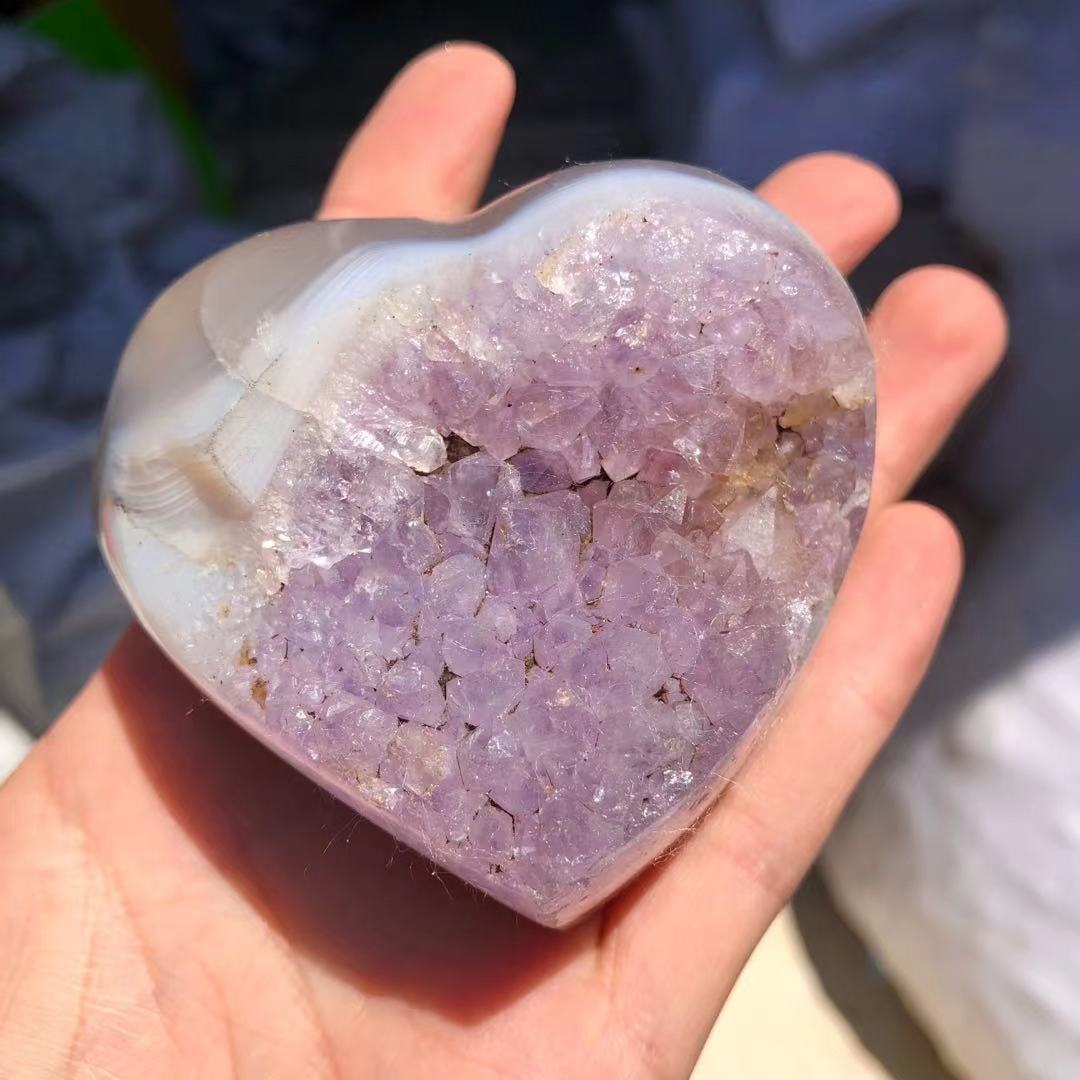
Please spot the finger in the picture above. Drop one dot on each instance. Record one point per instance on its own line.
(426, 148)
(679, 936)
(938, 334)
(845, 204)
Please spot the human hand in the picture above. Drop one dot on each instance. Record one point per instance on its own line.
(177, 901)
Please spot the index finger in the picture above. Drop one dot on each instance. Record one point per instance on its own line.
(426, 148)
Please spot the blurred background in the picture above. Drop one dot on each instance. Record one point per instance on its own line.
(940, 936)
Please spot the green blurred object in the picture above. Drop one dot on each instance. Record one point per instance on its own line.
(91, 36)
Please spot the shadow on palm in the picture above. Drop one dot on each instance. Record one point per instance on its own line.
(340, 889)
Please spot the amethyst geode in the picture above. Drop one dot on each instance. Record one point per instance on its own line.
(507, 531)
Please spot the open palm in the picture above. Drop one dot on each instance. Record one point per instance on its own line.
(177, 901)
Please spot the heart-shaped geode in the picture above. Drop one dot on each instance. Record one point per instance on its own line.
(506, 532)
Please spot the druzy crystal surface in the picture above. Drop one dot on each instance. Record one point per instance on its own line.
(507, 532)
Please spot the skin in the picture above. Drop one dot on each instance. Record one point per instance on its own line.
(178, 902)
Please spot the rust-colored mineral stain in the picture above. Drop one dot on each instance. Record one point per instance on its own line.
(258, 693)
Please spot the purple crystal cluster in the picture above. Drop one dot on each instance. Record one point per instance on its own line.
(566, 522)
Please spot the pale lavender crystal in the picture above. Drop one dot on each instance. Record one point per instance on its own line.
(564, 522)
